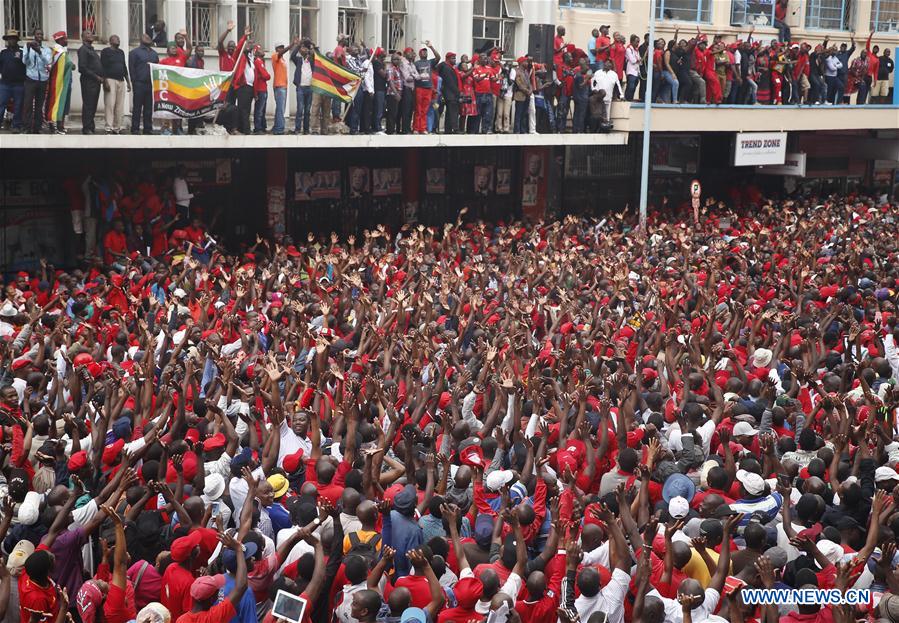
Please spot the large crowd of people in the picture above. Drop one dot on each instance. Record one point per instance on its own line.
(578, 420)
(421, 91)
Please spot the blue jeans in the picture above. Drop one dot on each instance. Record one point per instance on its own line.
(380, 104)
(672, 84)
(485, 112)
(540, 102)
(335, 106)
(280, 105)
(17, 93)
(432, 118)
(631, 87)
(304, 103)
(259, 111)
(354, 117)
(580, 115)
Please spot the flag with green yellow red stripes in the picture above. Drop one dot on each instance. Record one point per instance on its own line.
(333, 80)
(186, 93)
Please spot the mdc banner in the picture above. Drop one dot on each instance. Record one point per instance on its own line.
(185, 93)
(755, 148)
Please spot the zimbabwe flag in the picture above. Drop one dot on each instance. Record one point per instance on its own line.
(333, 80)
(59, 86)
(185, 93)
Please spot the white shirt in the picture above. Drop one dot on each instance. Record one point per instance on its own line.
(606, 81)
(632, 67)
(182, 194)
(609, 600)
(291, 442)
(238, 489)
(342, 612)
(306, 74)
(674, 613)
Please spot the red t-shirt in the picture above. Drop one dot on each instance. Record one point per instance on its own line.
(617, 54)
(601, 42)
(419, 589)
(175, 596)
(34, 598)
(334, 489)
(114, 242)
(219, 613)
(178, 60)
(482, 76)
(226, 63)
(460, 615)
(117, 608)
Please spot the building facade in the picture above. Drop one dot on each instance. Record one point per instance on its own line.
(462, 26)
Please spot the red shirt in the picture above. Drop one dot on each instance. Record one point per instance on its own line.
(334, 489)
(617, 54)
(419, 590)
(178, 61)
(118, 608)
(601, 42)
(114, 242)
(36, 598)
(460, 615)
(175, 596)
(482, 77)
(260, 84)
(219, 613)
(558, 42)
(226, 63)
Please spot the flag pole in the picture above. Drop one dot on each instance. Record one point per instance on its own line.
(215, 119)
(647, 118)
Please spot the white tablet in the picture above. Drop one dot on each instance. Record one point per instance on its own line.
(289, 607)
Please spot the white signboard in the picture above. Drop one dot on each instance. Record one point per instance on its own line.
(755, 148)
(794, 164)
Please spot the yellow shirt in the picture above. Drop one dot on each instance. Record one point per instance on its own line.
(697, 568)
(364, 537)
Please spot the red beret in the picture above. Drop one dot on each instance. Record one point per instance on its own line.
(182, 548)
(214, 442)
(468, 591)
(472, 456)
(112, 451)
(77, 461)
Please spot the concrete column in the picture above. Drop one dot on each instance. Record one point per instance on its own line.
(114, 14)
(278, 31)
(176, 17)
(860, 19)
(54, 18)
(374, 24)
(327, 25)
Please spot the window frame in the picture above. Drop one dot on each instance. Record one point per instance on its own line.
(23, 26)
(844, 18)
(877, 21)
(507, 23)
(245, 7)
(97, 17)
(700, 5)
(213, 7)
(582, 5)
(745, 21)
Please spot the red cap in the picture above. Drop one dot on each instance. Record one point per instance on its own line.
(468, 591)
(214, 442)
(472, 456)
(182, 548)
(192, 435)
(112, 451)
(77, 461)
(291, 462)
(18, 364)
(59, 34)
(205, 587)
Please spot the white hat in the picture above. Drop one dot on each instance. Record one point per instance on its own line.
(752, 482)
(215, 487)
(18, 556)
(8, 310)
(495, 480)
(744, 428)
(180, 294)
(834, 552)
(761, 358)
(704, 472)
(678, 507)
(884, 473)
(728, 396)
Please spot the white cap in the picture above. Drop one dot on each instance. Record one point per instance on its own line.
(678, 507)
(834, 552)
(752, 482)
(495, 480)
(179, 293)
(761, 358)
(744, 429)
(215, 487)
(8, 310)
(884, 473)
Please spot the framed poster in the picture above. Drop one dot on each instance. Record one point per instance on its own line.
(435, 181)
(360, 184)
(387, 182)
(503, 181)
(309, 185)
(483, 180)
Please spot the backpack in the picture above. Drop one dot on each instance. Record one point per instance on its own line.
(368, 550)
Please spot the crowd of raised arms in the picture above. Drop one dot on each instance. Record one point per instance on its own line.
(576, 420)
(425, 91)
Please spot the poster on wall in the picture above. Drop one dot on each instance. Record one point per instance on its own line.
(435, 181)
(311, 185)
(275, 196)
(483, 180)
(387, 182)
(360, 184)
(533, 181)
(755, 148)
(503, 181)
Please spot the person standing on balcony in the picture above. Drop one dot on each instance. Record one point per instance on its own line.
(603, 47)
(116, 72)
(423, 87)
(482, 77)
(843, 73)
(780, 16)
(226, 51)
(858, 75)
(379, 77)
(801, 73)
(832, 67)
(395, 96)
(157, 34)
(591, 48)
(670, 82)
(139, 60)
(37, 58)
(279, 86)
(244, 79)
(260, 90)
(450, 88)
(566, 89)
(632, 69)
(818, 90)
(12, 83)
(407, 105)
(881, 91)
(697, 49)
(92, 80)
(559, 46)
(617, 54)
(302, 57)
(525, 84)
(581, 88)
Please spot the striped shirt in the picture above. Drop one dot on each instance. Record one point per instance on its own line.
(769, 506)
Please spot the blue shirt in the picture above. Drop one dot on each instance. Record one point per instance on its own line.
(591, 50)
(405, 535)
(37, 65)
(279, 517)
(139, 60)
(246, 611)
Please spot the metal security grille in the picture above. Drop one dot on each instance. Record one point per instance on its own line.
(350, 23)
(885, 16)
(201, 22)
(135, 20)
(82, 15)
(23, 15)
(393, 27)
(684, 10)
(826, 14)
(759, 12)
(252, 15)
